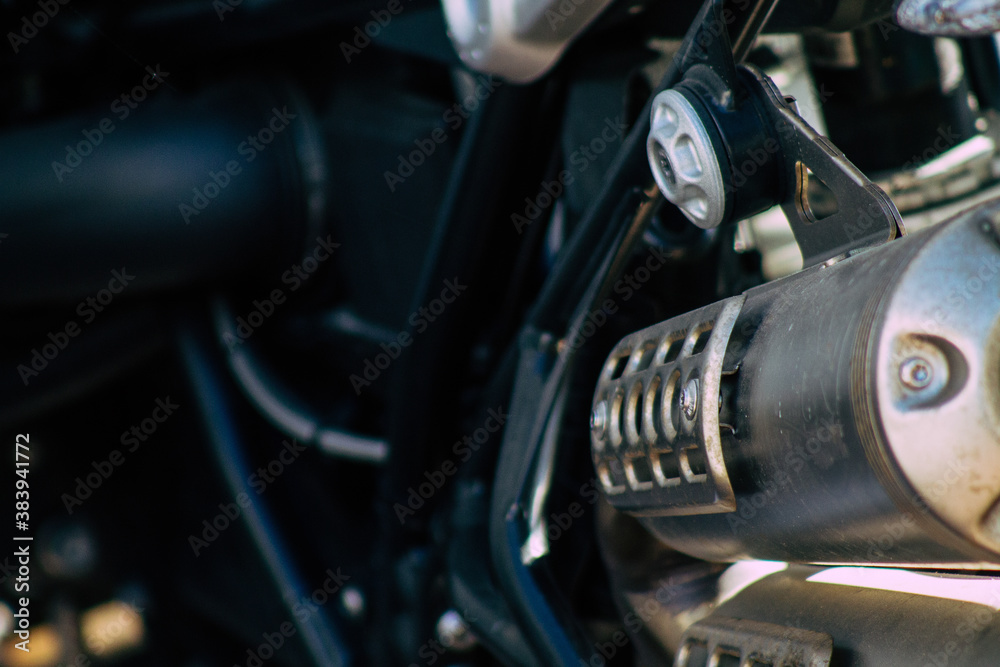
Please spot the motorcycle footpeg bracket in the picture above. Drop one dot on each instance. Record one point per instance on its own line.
(865, 215)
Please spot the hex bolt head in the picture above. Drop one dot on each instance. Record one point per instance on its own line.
(666, 170)
(916, 373)
(689, 399)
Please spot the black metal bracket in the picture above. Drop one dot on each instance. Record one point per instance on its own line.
(865, 215)
(753, 124)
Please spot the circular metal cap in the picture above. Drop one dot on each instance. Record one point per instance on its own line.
(683, 160)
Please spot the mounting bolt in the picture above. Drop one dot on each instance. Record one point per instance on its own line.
(663, 162)
(689, 399)
(916, 373)
(599, 419)
(939, 15)
(353, 602)
(454, 633)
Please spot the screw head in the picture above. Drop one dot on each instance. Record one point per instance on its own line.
(599, 419)
(937, 13)
(353, 602)
(916, 373)
(454, 633)
(689, 399)
(663, 160)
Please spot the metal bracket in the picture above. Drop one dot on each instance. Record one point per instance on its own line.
(740, 113)
(865, 216)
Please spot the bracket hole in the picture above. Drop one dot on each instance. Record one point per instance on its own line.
(814, 198)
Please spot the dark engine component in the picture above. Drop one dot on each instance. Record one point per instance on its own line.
(850, 413)
(880, 73)
(117, 192)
